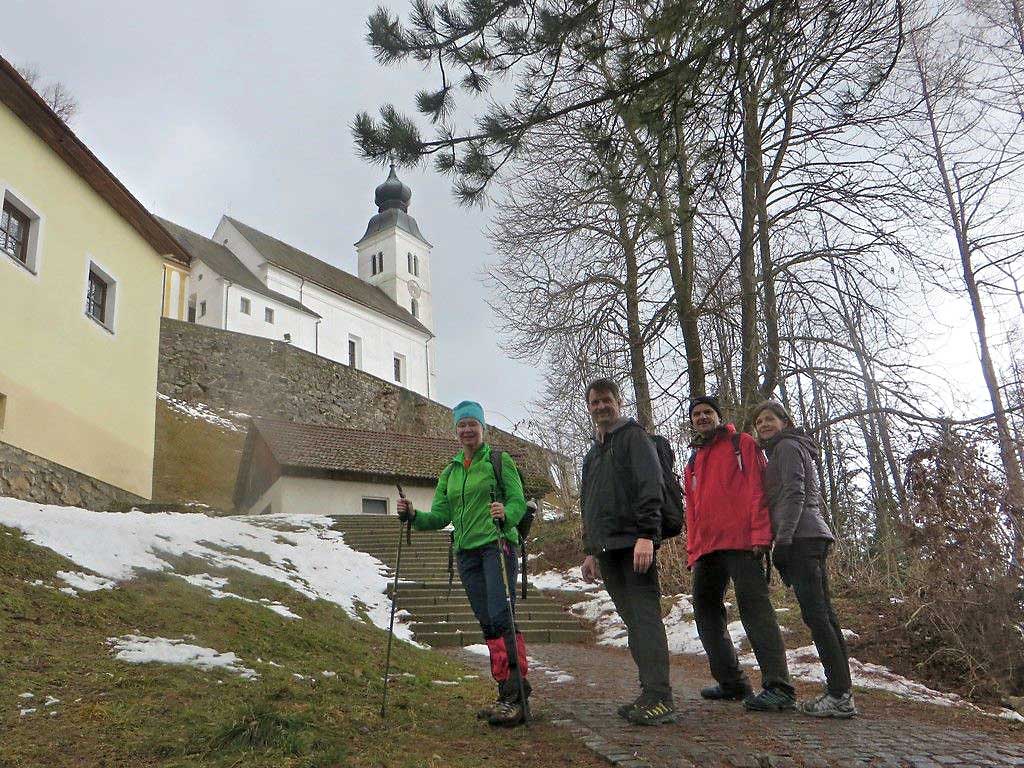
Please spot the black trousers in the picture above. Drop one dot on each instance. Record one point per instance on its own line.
(711, 575)
(805, 570)
(637, 598)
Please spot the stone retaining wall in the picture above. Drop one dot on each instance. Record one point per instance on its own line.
(24, 475)
(263, 377)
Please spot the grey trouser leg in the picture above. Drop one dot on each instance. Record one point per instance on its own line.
(637, 598)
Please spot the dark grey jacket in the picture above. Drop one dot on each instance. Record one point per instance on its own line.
(620, 496)
(791, 487)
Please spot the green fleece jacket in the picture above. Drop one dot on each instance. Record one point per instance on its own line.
(463, 498)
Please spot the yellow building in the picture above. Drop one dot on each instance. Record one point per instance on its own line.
(85, 274)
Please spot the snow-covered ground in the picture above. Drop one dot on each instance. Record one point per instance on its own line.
(300, 551)
(138, 649)
(681, 630)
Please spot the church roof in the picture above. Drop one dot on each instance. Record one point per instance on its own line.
(327, 451)
(339, 281)
(226, 264)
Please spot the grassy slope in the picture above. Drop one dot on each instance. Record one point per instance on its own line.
(115, 714)
(195, 460)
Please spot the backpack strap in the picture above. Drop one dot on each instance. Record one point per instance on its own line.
(735, 449)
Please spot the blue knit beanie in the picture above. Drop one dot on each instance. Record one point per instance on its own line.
(467, 409)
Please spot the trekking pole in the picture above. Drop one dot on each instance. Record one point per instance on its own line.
(514, 649)
(451, 569)
(394, 605)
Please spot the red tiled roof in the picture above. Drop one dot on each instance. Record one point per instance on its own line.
(361, 452)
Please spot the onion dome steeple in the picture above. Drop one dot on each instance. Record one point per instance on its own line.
(392, 193)
(392, 200)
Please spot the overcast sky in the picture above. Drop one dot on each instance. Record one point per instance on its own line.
(204, 108)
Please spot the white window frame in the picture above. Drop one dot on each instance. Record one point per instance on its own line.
(109, 322)
(268, 315)
(245, 305)
(414, 308)
(403, 371)
(3, 410)
(385, 499)
(202, 308)
(36, 227)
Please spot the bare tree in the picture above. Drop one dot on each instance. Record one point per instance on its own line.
(56, 95)
(972, 156)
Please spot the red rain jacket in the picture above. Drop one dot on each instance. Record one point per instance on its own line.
(725, 506)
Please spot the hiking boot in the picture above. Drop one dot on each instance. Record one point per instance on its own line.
(624, 709)
(506, 713)
(770, 700)
(828, 705)
(508, 710)
(652, 712)
(726, 693)
(484, 713)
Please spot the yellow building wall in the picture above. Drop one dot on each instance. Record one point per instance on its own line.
(76, 393)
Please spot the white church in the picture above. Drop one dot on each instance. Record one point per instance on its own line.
(380, 321)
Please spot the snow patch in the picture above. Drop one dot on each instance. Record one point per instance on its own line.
(203, 412)
(213, 584)
(138, 649)
(85, 582)
(300, 551)
(563, 581)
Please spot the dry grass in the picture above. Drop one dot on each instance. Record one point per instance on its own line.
(195, 461)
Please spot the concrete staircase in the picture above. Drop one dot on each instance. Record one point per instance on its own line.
(437, 618)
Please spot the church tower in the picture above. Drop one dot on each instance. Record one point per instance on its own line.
(393, 254)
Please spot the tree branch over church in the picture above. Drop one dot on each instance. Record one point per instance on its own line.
(534, 46)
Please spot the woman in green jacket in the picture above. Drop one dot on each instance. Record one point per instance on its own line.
(468, 496)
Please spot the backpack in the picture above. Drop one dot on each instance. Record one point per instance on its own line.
(526, 522)
(673, 511)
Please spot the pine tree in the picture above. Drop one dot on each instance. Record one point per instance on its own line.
(539, 47)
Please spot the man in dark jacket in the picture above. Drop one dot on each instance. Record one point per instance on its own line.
(621, 506)
(728, 535)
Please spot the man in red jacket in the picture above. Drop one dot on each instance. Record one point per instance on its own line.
(728, 535)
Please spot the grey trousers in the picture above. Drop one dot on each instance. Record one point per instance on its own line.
(637, 598)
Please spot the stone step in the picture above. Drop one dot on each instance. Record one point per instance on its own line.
(456, 639)
(523, 625)
(440, 587)
(522, 612)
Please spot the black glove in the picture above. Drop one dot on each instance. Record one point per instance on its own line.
(781, 555)
(406, 516)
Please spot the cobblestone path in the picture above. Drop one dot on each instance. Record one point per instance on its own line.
(890, 732)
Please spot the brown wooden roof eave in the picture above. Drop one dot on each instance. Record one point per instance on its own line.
(32, 110)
